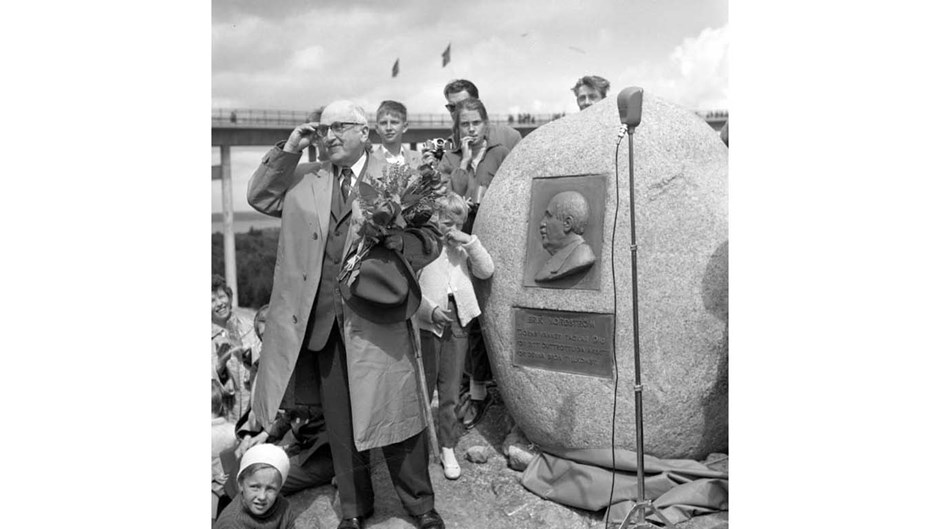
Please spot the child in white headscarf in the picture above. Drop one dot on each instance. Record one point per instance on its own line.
(259, 504)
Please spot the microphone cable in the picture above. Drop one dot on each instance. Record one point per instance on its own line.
(613, 276)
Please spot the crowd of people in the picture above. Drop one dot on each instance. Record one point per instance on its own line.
(323, 375)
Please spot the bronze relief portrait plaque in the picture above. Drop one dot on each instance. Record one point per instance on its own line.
(564, 237)
(569, 342)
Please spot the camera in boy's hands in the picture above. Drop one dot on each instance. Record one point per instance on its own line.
(437, 146)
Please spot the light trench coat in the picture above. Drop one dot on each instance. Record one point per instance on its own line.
(384, 392)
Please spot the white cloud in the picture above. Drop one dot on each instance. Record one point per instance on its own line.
(310, 58)
(702, 67)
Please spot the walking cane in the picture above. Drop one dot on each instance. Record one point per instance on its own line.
(425, 396)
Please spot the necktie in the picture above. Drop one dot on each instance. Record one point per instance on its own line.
(347, 182)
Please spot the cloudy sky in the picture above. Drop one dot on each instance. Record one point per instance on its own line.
(524, 55)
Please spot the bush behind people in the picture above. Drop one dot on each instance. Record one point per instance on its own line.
(255, 254)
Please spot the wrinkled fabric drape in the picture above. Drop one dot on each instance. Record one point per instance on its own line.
(679, 488)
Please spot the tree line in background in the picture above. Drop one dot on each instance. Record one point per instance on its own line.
(255, 255)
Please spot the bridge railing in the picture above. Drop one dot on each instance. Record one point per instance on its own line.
(253, 117)
(712, 115)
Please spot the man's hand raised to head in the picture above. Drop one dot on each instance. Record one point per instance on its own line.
(301, 137)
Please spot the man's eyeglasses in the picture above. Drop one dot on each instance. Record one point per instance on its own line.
(338, 127)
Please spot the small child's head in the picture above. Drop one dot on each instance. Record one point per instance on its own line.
(261, 318)
(219, 408)
(391, 121)
(453, 212)
(261, 475)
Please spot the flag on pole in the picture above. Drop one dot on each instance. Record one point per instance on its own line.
(446, 55)
(395, 69)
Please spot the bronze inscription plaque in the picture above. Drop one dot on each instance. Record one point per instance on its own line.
(570, 342)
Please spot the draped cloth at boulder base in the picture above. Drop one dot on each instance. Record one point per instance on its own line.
(680, 488)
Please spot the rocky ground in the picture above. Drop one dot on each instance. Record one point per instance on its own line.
(488, 494)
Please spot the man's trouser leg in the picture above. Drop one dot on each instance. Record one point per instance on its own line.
(352, 467)
(408, 467)
(308, 470)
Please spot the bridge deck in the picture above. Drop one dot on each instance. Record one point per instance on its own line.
(266, 127)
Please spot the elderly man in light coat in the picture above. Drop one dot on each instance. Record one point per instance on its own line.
(318, 350)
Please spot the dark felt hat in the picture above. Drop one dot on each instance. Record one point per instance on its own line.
(386, 289)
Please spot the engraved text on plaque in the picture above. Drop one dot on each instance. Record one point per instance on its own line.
(570, 342)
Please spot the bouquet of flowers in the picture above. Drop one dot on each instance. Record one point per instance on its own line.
(402, 198)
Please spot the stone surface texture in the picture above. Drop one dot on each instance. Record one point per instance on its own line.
(681, 228)
(479, 454)
(518, 450)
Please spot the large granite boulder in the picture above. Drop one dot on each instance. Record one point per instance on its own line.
(681, 228)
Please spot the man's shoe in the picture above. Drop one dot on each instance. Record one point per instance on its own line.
(351, 523)
(475, 411)
(430, 520)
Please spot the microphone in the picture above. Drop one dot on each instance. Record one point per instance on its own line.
(630, 105)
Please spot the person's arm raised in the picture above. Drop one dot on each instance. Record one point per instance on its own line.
(276, 175)
(480, 261)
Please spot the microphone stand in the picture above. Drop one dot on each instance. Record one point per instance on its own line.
(642, 504)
